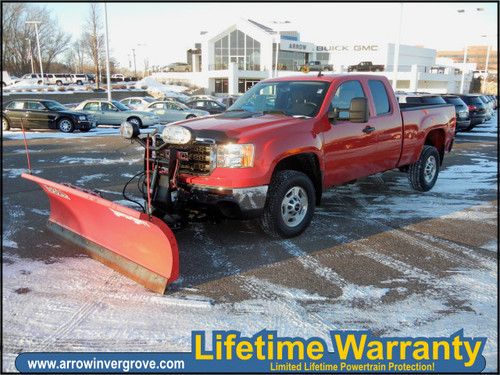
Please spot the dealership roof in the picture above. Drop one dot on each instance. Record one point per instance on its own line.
(263, 27)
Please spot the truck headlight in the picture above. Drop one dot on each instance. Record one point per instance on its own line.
(176, 135)
(235, 156)
(129, 130)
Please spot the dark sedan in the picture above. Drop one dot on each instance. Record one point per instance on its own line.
(477, 109)
(44, 114)
(211, 106)
(461, 111)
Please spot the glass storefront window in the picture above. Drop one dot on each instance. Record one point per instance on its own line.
(239, 48)
(221, 86)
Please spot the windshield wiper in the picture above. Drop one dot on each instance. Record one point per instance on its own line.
(275, 112)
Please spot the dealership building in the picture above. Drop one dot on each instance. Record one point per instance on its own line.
(231, 60)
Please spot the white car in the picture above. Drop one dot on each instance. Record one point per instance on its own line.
(118, 77)
(7, 79)
(170, 111)
(137, 102)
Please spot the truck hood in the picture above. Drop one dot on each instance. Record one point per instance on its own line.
(231, 129)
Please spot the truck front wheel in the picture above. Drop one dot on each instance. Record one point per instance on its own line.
(289, 206)
(424, 172)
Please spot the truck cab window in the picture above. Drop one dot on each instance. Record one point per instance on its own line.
(343, 96)
(380, 97)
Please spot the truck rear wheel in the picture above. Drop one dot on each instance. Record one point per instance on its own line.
(424, 172)
(289, 206)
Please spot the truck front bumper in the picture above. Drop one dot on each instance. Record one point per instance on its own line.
(231, 202)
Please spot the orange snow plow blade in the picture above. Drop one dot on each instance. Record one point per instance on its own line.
(142, 248)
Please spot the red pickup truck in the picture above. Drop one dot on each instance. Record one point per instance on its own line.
(285, 141)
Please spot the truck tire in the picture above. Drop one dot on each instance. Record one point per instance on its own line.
(424, 172)
(289, 205)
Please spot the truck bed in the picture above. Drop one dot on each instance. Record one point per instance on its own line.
(415, 106)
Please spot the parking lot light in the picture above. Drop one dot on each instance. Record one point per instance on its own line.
(108, 74)
(38, 44)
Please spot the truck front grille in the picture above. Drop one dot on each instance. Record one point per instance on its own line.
(200, 157)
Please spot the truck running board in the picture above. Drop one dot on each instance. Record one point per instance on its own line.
(141, 247)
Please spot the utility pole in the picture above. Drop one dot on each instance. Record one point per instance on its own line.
(278, 41)
(135, 66)
(31, 56)
(396, 51)
(108, 74)
(38, 44)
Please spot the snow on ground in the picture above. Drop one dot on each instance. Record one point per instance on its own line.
(77, 304)
(155, 87)
(100, 131)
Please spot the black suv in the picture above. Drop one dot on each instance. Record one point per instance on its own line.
(461, 111)
(211, 106)
(477, 109)
(44, 114)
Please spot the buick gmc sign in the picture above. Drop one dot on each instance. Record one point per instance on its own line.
(348, 48)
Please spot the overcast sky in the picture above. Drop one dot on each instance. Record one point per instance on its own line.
(168, 30)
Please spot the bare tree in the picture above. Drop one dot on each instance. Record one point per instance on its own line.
(16, 35)
(93, 39)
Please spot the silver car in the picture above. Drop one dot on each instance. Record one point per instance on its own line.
(137, 102)
(114, 113)
(170, 110)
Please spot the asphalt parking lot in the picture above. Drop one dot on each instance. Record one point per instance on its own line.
(377, 256)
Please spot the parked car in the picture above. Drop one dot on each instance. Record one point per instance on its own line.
(211, 106)
(477, 109)
(286, 140)
(81, 79)
(58, 79)
(461, 111)
(114, 113)
(365, 66)
(421, 99)
(489, 106)
(8, 79)
(118, 77)
(317, 66)
(44, 114)
(228, 100)
(169, 111)
(32, 79)
(201, 97)
(178, 67)
(137, 102)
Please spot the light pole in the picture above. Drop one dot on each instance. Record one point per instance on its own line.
(31, 56)
(108, 74)
(146, 60)
(135, 66)
(462, 81)
(38, 45)
(488, 50)
(396, 51)
(278, 41)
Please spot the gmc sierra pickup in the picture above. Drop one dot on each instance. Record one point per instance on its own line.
(286, 140)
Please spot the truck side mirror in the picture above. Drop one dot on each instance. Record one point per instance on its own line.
(358, 110)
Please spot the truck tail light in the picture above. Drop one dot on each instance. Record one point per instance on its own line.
(472, 107)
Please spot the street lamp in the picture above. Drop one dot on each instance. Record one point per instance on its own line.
(38, 44)
(108, 74)
(146, 60)
(31, 55)
(135, 66)
(278, 41)
(396, 50)
(462, 81)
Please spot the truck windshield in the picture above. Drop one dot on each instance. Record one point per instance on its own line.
(291, 98)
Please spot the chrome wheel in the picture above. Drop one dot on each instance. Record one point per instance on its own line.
(134, 121)
(65, 126)
(5, 124)
(430, 169)
(294, 206)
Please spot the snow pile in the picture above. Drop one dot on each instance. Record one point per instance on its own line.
(155, 87)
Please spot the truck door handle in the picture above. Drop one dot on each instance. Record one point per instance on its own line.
(368, 129)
